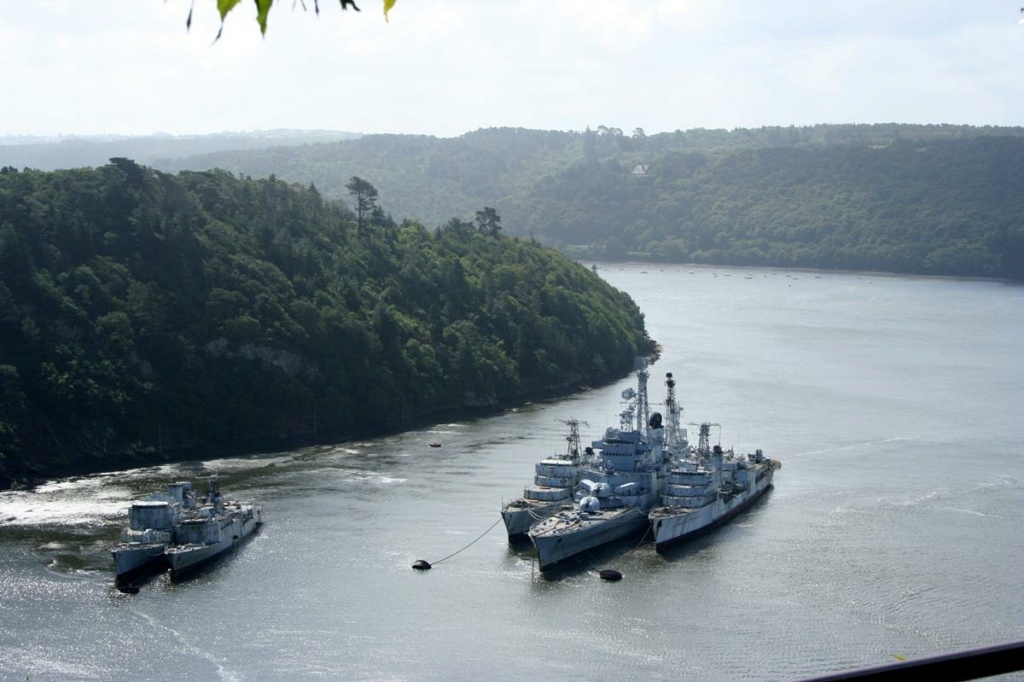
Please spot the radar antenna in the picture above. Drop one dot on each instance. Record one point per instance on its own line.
(675, 435)
(637, 407)
(573, 439)
(704, 441)
(643, 408)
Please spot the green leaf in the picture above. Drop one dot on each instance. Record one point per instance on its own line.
(262, 8)
(225, 6)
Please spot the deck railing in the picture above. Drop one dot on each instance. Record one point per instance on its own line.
(971, 664)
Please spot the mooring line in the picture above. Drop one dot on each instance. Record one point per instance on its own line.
(642, 538)
(612, 574)
(421, 564)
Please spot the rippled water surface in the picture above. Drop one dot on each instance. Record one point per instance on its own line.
(894, 529)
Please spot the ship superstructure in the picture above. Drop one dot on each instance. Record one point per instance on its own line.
(553, 481)
(616, 490)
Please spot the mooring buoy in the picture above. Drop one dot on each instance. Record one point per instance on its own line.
(609, 574)
(421, 565)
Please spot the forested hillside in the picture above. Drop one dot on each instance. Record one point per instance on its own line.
(142, 313)
(941, 199)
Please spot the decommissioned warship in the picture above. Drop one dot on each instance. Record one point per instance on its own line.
(646, 476)
(553, 481)
(150, 531)
(179, 531)
(707, 488)
(617, 488)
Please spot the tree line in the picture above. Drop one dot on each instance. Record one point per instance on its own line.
(925, 199)
(144, 313)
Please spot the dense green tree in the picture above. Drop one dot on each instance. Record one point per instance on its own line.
(365, 196)
(877, 197)
(488, 221)
(144, 313)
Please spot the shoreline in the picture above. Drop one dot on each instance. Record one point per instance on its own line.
(92, 463)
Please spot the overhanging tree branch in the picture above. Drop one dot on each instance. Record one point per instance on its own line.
(263, 10)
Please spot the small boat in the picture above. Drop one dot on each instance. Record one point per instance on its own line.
(434, 444)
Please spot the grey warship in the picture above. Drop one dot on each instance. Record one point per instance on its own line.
(150, 531)
(707, 488)
(553, 481)
(616, 490)
(181, 531)
(210, 529)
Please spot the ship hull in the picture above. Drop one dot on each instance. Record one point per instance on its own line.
(677, 525)
(559, 543)
(518, 520)
(132, 561)
(184, 558)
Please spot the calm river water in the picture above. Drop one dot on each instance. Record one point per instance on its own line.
(895, 527)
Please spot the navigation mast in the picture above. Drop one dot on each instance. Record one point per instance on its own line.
(573, 439)
(675, 435)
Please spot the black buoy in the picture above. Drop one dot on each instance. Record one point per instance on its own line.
(421, 565)
(609, 574)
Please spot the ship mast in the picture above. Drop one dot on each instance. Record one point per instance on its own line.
(643, 408)
(637, 407)
(704, 441)
(675, 436)
(573, 439)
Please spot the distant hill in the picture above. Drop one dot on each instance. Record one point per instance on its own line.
(52, 153)
(928, 199)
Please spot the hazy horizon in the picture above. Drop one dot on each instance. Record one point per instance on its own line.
(29, 139)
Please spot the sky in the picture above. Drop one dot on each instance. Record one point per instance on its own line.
(448, 67)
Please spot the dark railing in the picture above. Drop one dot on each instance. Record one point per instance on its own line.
(972, 664)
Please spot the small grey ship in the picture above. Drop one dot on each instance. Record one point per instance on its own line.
(210, 529)
(553, 481)
(151, 529)
(706, 489)
(180, 532)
